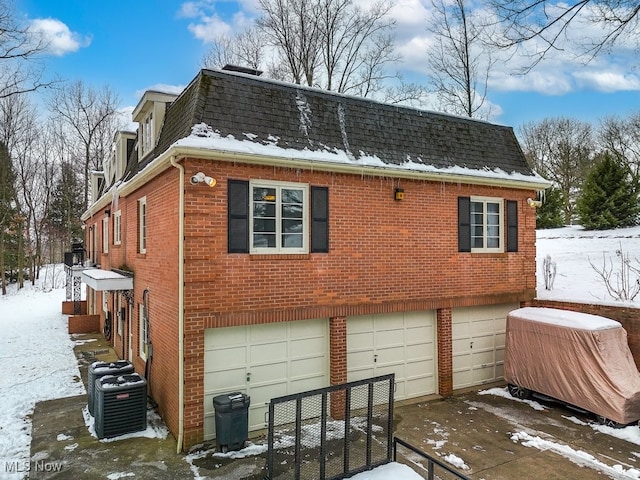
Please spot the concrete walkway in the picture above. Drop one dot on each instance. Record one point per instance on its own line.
(474, 428)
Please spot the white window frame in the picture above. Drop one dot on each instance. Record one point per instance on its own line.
(117, 228)
(485, 226)
(147, 134)
(278, 186)
(143, 334)
(119, 316)
(142, 225)
(105, 235)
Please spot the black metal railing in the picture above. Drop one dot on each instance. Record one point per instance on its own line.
(433, 464)
(331, 433)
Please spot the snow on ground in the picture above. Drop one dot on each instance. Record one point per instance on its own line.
(37, 360)
(571, 248)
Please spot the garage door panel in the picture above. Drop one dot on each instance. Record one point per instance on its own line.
(389, 338)
(419, 319)
(269, 352)
(235, 376)
(306, 347)
(307, 366)
(281, 359)
(360, 340)
(390, 355)
(478, 343)
(399, 343)
(418, 352)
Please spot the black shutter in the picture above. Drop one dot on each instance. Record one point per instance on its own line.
(464, 224)
(319, 219)
(238, 216)
(512, 226)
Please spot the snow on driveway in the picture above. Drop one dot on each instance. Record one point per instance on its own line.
(38, 364)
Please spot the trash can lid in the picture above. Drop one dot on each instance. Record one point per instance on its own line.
(229, 398)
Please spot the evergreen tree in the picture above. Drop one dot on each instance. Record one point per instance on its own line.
(608, 198)
(66, 207)
(551, 213)
(8, 214)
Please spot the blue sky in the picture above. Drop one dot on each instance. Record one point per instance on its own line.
(144, 44)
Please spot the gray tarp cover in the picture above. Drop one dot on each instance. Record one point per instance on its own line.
(578, 358)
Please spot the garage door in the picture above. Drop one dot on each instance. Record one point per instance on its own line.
(263, 361)
(478, 344)
(400, 343)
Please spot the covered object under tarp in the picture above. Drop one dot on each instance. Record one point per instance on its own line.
(581, 359)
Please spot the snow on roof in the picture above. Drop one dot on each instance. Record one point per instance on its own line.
(99, 274)
(565, 318)
(203, 136)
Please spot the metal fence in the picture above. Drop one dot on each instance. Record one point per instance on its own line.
(331, 433)
(435, 469)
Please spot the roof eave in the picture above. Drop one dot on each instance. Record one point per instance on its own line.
(163, 161)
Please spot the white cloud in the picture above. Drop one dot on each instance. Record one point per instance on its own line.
(209, 28)
(607, 80)
(59, 38)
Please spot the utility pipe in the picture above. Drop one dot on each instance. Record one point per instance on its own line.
(180, 168)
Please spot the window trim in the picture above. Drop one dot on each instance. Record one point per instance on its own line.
(117, 227)
(143, 334)
(105, 234)
(142, 225)
(279, 250)
(501, 224)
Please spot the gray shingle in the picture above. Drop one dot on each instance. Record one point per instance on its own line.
(236, 104)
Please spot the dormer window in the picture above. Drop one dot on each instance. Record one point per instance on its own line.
(147, 134)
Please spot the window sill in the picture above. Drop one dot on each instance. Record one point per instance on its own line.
(279, 256)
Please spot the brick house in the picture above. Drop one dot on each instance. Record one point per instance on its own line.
(342, 239)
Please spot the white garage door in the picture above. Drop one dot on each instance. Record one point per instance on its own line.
(263, 361)
(400, 343)
(478, 344)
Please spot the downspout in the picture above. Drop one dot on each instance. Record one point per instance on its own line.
(180, 305)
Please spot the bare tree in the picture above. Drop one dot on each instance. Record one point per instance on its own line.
(560, 149)
(335, 45)
(610, 22)
(621, 137)
(245, 48)
(18, 131)
(20, 69)
(87, 112)
(459, 61)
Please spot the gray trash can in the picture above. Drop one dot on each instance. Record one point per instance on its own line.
(232, 420)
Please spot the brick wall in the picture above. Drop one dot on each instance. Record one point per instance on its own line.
(444, 330)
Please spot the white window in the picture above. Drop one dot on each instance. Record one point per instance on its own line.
(105, 235)
(117, 228)
(147, 134)
(143, 333)
(119, 315)
(279, 221)
(486, 224)
(142, 225)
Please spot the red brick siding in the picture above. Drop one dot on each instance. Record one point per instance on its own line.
(445, 351)
(385, 256)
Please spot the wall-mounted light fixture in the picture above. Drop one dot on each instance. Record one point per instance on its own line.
(534, 203)
(202, 178)
(398, 194)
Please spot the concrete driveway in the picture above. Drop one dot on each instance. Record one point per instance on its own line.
(487, 436)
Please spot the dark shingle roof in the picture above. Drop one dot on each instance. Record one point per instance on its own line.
(303, 118)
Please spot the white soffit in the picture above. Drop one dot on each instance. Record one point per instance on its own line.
(101, 280)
